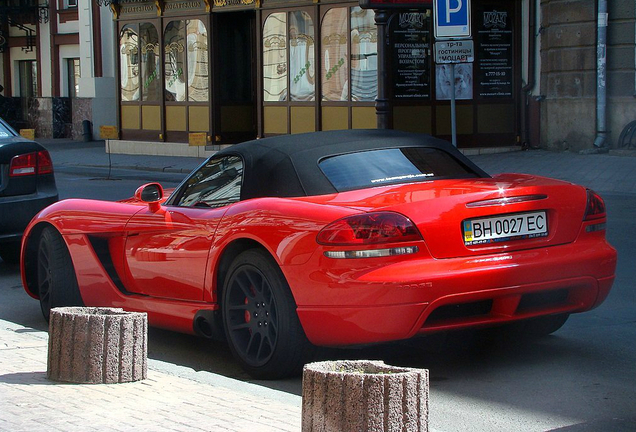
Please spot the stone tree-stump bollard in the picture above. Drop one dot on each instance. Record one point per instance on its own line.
(364, 396)
(97, 345)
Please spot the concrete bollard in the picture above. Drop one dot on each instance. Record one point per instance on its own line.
(97, 345)
(365, 396)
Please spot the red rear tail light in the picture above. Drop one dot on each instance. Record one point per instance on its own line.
(31, 163)
(369, 228)
(23, 165)
(45, 164)
(595, 206)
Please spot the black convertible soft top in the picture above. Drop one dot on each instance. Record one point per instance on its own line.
(287, 165)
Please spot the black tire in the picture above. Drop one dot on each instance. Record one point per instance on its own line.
(10, 252)
(57, 283)
(260, 320)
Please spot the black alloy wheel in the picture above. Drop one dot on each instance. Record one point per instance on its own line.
(260, 320)
(57, 283)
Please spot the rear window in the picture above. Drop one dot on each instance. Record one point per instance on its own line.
(391, 166)
(5, 131)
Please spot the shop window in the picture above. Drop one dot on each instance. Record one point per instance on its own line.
(186, 58)
(70, 4)
(275, 57)
(150, 59)
(73, 70)
(174, 61)
(296, 62)
(129, 63)
(198, 82)
(343, 29)
(335, 66)
(364, 55)
(301, 57)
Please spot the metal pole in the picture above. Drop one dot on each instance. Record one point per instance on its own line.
(453, 116)
(382, 107)
(601, 76)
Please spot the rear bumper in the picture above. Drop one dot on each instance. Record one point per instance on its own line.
(17, 211)
(421, 295)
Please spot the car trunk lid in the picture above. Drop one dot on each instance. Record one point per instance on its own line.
(445, 210)
(17, 184)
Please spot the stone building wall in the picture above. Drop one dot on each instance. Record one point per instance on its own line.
(568, 72)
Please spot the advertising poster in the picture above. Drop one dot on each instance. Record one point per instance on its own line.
(494, 54)
(463, 81)
(410, 42)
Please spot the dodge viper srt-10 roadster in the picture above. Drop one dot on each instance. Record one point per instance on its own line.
(328, 239)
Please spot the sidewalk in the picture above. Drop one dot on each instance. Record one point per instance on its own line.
(602, 172)
(162, 402)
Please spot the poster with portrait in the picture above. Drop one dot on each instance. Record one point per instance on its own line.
(463, 81)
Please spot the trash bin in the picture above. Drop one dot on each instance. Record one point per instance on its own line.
(87, 130)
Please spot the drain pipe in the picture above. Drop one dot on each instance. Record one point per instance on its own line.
(527, 88)
(601, 76)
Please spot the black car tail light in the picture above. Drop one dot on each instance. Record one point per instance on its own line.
(369, 228)
(595, 206)
(45, 164)
(23, 165)
(30, 164)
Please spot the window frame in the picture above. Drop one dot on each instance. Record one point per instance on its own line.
(186, 72)
(288, 102)
(349, 102)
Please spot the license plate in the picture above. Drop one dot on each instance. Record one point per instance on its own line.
(504, 228)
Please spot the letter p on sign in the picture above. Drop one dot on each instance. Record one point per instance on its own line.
(450, 10)
(452, 18)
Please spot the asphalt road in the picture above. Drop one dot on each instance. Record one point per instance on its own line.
(582, 378)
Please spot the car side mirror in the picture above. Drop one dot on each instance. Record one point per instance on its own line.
(150, 193)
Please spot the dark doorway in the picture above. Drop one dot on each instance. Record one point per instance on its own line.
(235, 60)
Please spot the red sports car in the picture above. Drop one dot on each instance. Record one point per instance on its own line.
(329, 239)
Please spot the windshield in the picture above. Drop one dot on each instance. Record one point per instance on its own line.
(391, 166)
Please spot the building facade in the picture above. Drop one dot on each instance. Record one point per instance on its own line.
(185, 76)
(57, 69)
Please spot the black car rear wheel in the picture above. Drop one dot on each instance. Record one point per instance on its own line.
(10, 252)
(57, 283)
(543, 326)
(260, 320)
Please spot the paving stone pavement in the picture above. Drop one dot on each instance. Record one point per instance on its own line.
(604, 173)
(162, 402)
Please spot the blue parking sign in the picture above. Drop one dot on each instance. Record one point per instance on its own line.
(452, 18)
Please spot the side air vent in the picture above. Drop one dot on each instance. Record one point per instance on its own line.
(100, 246)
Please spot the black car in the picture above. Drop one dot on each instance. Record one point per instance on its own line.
(27, 185)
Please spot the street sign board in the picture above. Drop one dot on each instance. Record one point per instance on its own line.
(451, 18)
(455, 51)
(108, 132)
